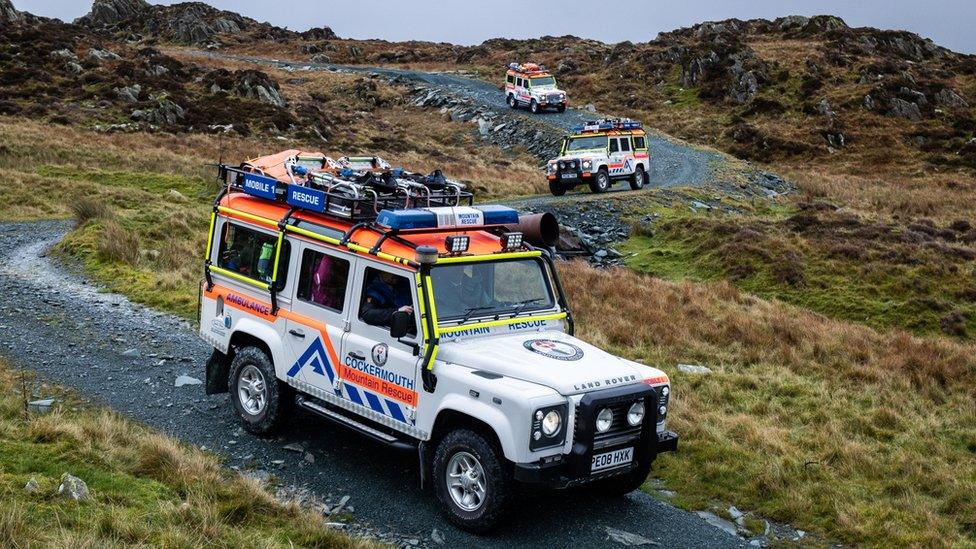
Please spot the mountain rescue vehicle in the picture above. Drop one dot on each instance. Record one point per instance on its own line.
(386, 302)
(600, 153)
(533, 86)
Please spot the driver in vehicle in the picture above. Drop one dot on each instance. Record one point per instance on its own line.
(386, 293)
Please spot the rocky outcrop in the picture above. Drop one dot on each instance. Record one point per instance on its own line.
(249, 84)
(107, 13)
(9, 14)
(193, 23)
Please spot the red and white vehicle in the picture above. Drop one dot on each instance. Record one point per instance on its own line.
(533, 86)
(600, 153)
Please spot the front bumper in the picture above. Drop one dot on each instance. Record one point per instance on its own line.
(561, 473)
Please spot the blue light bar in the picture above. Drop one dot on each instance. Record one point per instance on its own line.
(462, 217)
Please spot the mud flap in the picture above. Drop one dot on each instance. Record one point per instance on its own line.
(423, 454)
(218, 368)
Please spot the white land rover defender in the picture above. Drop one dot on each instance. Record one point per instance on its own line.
(533, 86)
(600, 153)
(435, 329)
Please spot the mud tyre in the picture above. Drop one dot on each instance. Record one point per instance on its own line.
(556, 188)
(601, 182)
(534, 107)
(472, 480)
(512, 102)
(260, 400)
(639, 179)
(561, 108)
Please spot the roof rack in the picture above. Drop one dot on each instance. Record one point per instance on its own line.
(608, 124)
(527, 68)
(352, 189)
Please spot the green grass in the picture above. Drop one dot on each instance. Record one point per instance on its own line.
(146, 489)
(839, 272)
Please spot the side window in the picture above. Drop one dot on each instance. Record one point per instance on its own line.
(614, 147)
(510, 79)
(625, 144)
(518, 82)
(251, 253)
(384, 293)
(639, 143)
(323, 280)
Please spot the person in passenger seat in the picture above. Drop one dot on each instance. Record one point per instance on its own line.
(386, 294)
(323, 292)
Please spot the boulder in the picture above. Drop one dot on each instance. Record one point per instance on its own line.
(824, 109)
(949, 98)
(98, 55)
(73, 488)
(165, 112)
(904, 109)
(129, 94)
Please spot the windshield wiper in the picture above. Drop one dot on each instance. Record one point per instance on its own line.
(471, 310)
(523, 304)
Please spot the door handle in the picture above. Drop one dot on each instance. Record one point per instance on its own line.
(357, 356)
(297, 333)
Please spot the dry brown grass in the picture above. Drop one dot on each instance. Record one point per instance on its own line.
(147, 489)
(863, 436)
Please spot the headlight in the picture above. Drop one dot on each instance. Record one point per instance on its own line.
(604, 420)
(552, 168)
(587, 164)
(662, 411)
(551, 423)
(636, 414)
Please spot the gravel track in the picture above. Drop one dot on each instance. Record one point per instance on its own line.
(127, 356)
(673, 163)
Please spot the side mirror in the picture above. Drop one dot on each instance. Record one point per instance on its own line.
(400, 324)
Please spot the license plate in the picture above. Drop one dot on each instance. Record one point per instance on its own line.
(568, 176)
(612, 459)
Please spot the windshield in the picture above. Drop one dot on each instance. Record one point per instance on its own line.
(587, 143)
(543, 81)
(485, 289)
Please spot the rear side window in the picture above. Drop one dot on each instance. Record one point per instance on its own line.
(323, 280)
(614, 147)
(510, 79)
(625, 144)
(639, 143)
(251, 253)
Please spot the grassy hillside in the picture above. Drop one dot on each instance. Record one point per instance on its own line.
(146, 489)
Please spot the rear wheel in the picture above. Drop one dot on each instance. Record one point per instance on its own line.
(600, 183)
(258, 397)
(638, 179)
(534, 107)
(512, 102)
(556, 188)
(472, 481)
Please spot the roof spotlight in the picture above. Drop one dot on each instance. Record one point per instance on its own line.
(511, 241)
(457, 243)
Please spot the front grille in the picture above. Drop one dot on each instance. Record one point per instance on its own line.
(620, 431)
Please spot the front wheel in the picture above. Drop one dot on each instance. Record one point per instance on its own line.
(637, 180)
(472, 481)
(512, 102)
(258, 398)
(534, 107)
(561, 108)
(556, 188)
(600, 183)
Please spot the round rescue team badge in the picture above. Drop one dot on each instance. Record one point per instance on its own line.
(380, 351)
(558, 350)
